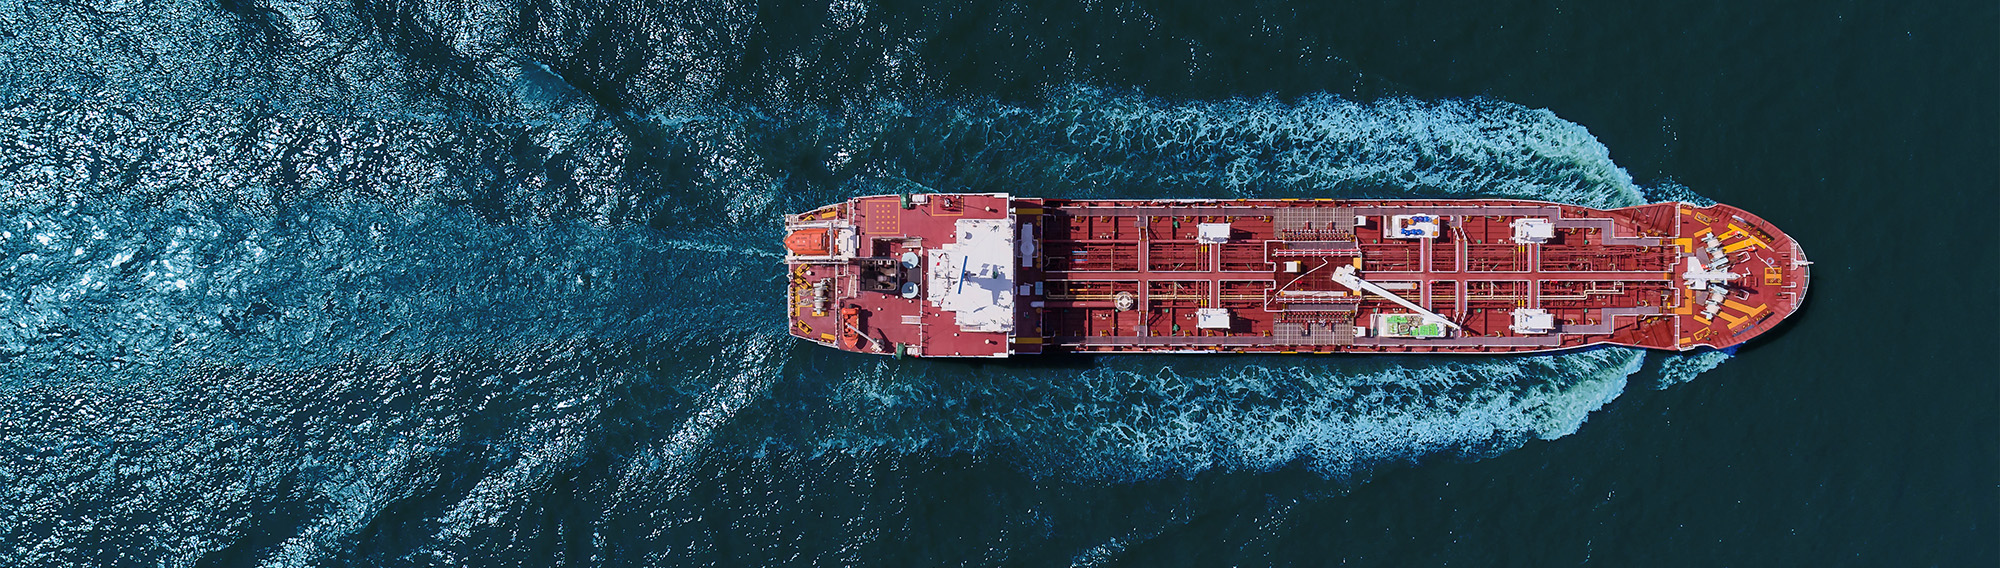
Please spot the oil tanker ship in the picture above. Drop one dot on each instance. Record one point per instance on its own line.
(991, 275)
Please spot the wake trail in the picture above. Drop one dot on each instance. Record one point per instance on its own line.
(407, 270)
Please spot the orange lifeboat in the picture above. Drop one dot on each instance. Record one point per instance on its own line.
(850, 328)
(807, 242)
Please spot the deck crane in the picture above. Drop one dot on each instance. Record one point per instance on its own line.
(1346, 276)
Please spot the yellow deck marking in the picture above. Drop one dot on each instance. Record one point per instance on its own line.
(1703, 231)
(1739, 245)
(1687, 245)
(1747, 310)
(883, 219)
(826, 337)
(1703, 320)
(1774, 276)
(1733, 229)
(1733, 320)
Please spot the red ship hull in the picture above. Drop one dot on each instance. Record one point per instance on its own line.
(989, 275)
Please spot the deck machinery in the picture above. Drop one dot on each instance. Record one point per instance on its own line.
(990, 275)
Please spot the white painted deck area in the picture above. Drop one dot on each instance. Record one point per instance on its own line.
(974, 277)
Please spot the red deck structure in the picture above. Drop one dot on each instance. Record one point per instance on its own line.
(988, 275)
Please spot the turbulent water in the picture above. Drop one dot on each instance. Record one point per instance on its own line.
(463, 283)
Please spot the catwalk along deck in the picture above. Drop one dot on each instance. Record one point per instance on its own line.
(989, 275)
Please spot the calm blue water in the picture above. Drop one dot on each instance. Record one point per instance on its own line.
(298, 283)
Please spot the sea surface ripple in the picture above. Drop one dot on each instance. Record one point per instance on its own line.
(292, 283)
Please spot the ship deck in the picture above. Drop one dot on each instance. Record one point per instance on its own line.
(883, 228)
(1259, 275)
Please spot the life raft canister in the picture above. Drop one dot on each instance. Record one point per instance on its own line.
(807, 242)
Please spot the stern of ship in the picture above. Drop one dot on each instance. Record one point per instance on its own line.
(907, 275)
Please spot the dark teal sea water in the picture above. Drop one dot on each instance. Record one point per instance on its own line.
(495, 283)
